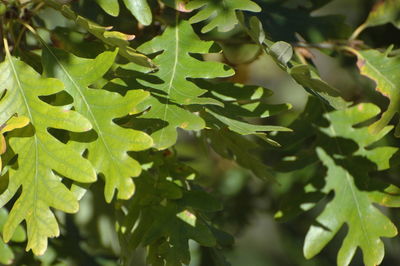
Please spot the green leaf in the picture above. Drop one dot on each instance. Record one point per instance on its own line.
(221, 13)
(233, 146)
(6, 253)
(141, 10)
(309, 79)
(109, 143)
(383, 70)
(164, 222)
(285, 23)
(110, 6)
(39, 154)
(112, 38)
(355, 193)
(384, 11)
(241, 102)
(174, 89)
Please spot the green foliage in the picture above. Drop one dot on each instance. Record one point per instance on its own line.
(149, 134)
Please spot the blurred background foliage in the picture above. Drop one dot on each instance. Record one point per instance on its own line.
(249, 203)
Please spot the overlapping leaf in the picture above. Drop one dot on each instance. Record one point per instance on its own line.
(139, 8)
(177, 65)
(39, 154)
(13, 123)
(109, 143)
(305, 75)
(6, 253)
(284, 23)
(384, 71)
(112, 38)
(221, 13)
(345, 152)
(242, 102)
(164, 216)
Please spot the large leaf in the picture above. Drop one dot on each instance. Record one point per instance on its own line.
(177, 65)
(39, 154)
(346, 151)
(384, 71)
(222, 13)
(109, 143)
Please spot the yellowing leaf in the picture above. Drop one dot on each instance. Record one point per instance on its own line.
(13, 123)
(384, 71)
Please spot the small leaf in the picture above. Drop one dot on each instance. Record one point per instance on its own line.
(222, 14)
(141, 10)
(306, 77)
(112, 38)
(110, 6)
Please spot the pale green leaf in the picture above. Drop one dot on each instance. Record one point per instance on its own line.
(221, 13)
(109, 143)
(39, 154)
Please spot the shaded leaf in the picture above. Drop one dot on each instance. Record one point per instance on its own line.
(384, 11)
(141, 10)
(110, 6)
(177, 65)
(6, 253)
(222, 14)
(112, 38)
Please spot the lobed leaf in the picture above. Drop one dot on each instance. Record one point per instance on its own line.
(221, 13)
(39, 154)
(383, 70)
(176, 66)
(108, 144)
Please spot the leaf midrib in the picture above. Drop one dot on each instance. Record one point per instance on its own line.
(77, 87)
(36, 141)
(175, 65)
(353, 193)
